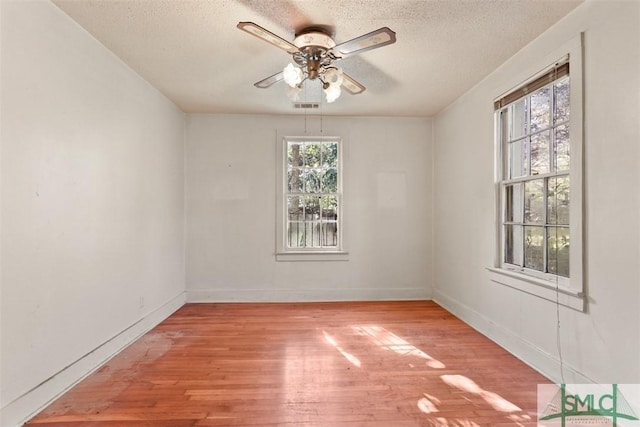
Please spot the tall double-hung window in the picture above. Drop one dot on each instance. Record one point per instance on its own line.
(539, 182)
(536, 141)
(310, 207)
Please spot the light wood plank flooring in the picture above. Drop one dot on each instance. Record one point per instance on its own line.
(311, 364)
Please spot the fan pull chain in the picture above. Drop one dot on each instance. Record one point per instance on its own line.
(321, 103)
(305, 111)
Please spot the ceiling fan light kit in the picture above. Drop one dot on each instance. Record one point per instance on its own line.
(314, 53)
(292, 75)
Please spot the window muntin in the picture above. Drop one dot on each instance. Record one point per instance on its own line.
(312, 196)
(535, 184)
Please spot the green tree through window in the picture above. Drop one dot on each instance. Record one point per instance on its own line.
(312, 194)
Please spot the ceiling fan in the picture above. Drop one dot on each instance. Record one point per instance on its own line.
(314, 53)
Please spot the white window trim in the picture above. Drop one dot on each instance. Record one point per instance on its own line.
(567, 292)
(311, 254)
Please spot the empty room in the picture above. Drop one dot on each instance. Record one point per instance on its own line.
(319, 213)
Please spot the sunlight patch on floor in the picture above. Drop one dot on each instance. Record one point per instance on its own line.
(391, 341)
(427, 404)
(496, 401)
(350, 357)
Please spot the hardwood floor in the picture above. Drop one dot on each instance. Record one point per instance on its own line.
(312, 364)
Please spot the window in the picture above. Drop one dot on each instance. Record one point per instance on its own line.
(310, 205)
(539, 185)
(536, 160)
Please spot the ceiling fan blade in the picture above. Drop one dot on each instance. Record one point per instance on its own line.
(269, 81)
(375, 39)
(268, 36)
(352, 86)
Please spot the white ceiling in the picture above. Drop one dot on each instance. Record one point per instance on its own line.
(192, 51)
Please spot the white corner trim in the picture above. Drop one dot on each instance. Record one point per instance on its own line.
(545, 363)
(19, 411)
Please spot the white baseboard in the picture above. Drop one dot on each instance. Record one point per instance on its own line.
(29, 404)
(307, 295)
(538, 359)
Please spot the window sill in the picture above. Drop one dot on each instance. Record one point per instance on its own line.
(541, 288)
(312, 256)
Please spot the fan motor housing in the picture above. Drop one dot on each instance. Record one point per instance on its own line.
(314, 45)
(314, 38)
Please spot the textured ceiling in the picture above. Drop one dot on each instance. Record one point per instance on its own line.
(192, 51)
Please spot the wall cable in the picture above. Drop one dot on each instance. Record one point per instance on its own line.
(557, 256)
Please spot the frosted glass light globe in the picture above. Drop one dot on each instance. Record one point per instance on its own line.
(292, 75)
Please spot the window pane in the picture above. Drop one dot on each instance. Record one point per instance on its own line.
(295, 208)
(294, 181)
(533, 248)
(329, 152)
(518, 117)
(558, 201)
(329, 234)
(312, 180)
(540, 109)
(518, 158)
(330, 181)
(561, 92)
(329, 206)
(513, 203)
(534, 205)
(293, 154)
(561, 148)
(311, 208)
(540, 153)
(295, 234)
(312, 234)
(558, 250)
(311, 155)
(513, 244)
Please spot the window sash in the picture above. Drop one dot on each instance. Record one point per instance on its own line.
(515, 224)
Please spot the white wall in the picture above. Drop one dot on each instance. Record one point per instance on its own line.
(231, 240)
(91, 209)
(602, 345)
(92, 205)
